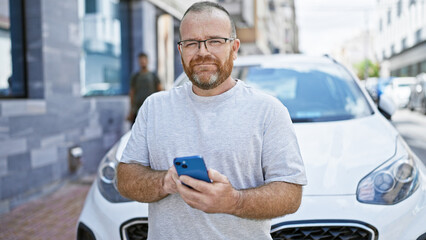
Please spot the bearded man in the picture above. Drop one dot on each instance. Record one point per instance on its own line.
(246, 138)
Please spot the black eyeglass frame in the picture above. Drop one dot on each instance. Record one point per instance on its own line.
(204, 41)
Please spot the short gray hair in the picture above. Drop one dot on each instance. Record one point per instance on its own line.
(205, 6)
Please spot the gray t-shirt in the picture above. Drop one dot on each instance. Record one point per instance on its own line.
(244, 134)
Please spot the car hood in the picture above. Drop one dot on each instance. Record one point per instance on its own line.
(338, 154)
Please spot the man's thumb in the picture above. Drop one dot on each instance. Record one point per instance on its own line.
(216, 176)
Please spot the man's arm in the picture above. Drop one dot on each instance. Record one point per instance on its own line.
(131, 95)
(143, 184)
(159, 87)
(269, 201)
(265, 202)
(132, 89)
(131, 116)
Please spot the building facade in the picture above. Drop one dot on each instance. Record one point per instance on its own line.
(64, 79)
(401, 37)
(264, 26)
(355, 50)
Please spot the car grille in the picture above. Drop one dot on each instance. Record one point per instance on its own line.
(135, 229)
(323, 230)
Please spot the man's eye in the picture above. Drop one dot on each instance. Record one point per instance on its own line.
(215, 42)
(191, 44)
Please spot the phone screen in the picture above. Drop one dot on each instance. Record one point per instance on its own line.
(192, 166)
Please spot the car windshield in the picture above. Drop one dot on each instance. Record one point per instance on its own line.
(311, 93)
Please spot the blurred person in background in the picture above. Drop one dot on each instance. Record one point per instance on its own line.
(142, 84)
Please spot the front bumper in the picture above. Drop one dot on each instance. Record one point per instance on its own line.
(104, 218)
(404, 220)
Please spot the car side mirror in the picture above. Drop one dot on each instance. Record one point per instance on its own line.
(386, 106)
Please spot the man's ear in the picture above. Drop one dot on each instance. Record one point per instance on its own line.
(235, 48)
(179, 48)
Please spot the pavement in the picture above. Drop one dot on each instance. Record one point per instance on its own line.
(53, 216)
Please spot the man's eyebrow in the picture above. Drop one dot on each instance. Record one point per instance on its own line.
(209, 37)
(216, 36)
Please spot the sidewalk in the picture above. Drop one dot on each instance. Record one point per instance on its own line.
(50, 217)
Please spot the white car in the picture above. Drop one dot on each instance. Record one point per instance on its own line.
(364, 182)
(400, 89)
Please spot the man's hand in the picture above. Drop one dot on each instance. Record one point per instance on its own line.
(216, 197)
(170, 181)
(264, 202)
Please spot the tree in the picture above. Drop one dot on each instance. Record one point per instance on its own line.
(367, 67)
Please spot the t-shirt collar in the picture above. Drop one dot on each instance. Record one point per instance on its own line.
(216, 98)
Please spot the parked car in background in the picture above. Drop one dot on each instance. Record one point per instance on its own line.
(400, 89)
(376, 87)
(364, 182)
(417, 99)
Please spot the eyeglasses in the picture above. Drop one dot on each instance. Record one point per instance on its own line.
(212, 45)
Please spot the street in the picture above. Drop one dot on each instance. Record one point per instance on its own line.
(412, 126)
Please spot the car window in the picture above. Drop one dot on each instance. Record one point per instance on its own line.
(311, 93)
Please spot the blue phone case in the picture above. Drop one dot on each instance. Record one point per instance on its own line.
(192, 166)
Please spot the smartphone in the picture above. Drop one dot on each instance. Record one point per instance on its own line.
(192, 166)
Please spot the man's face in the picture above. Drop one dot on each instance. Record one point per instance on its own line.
(143, 62)
(207, 79)
(205, 68)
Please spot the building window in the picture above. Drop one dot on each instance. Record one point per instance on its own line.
(383, 54)
(389, 17)
(12, 50)
(414, 69)
(404, 72)
(418, 36)
(392, 49)
(380, 25)
(399, 8)
(396, 73)
(90, 6)
(412, 2)
(404, 43)
(423, 66)
(101, 58)
(271, 6)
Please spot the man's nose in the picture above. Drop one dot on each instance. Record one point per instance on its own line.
(202, 48)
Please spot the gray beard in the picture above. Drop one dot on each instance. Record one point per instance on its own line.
(205, 86)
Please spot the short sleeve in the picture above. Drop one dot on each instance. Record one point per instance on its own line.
(281, 158)
(136, 150)
(133, 81)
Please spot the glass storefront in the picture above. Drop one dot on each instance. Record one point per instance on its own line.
(5, 50)
(101, 47)
(12, 70)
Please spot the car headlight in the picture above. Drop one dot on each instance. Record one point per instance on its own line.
(107, 180)
(392, 182)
